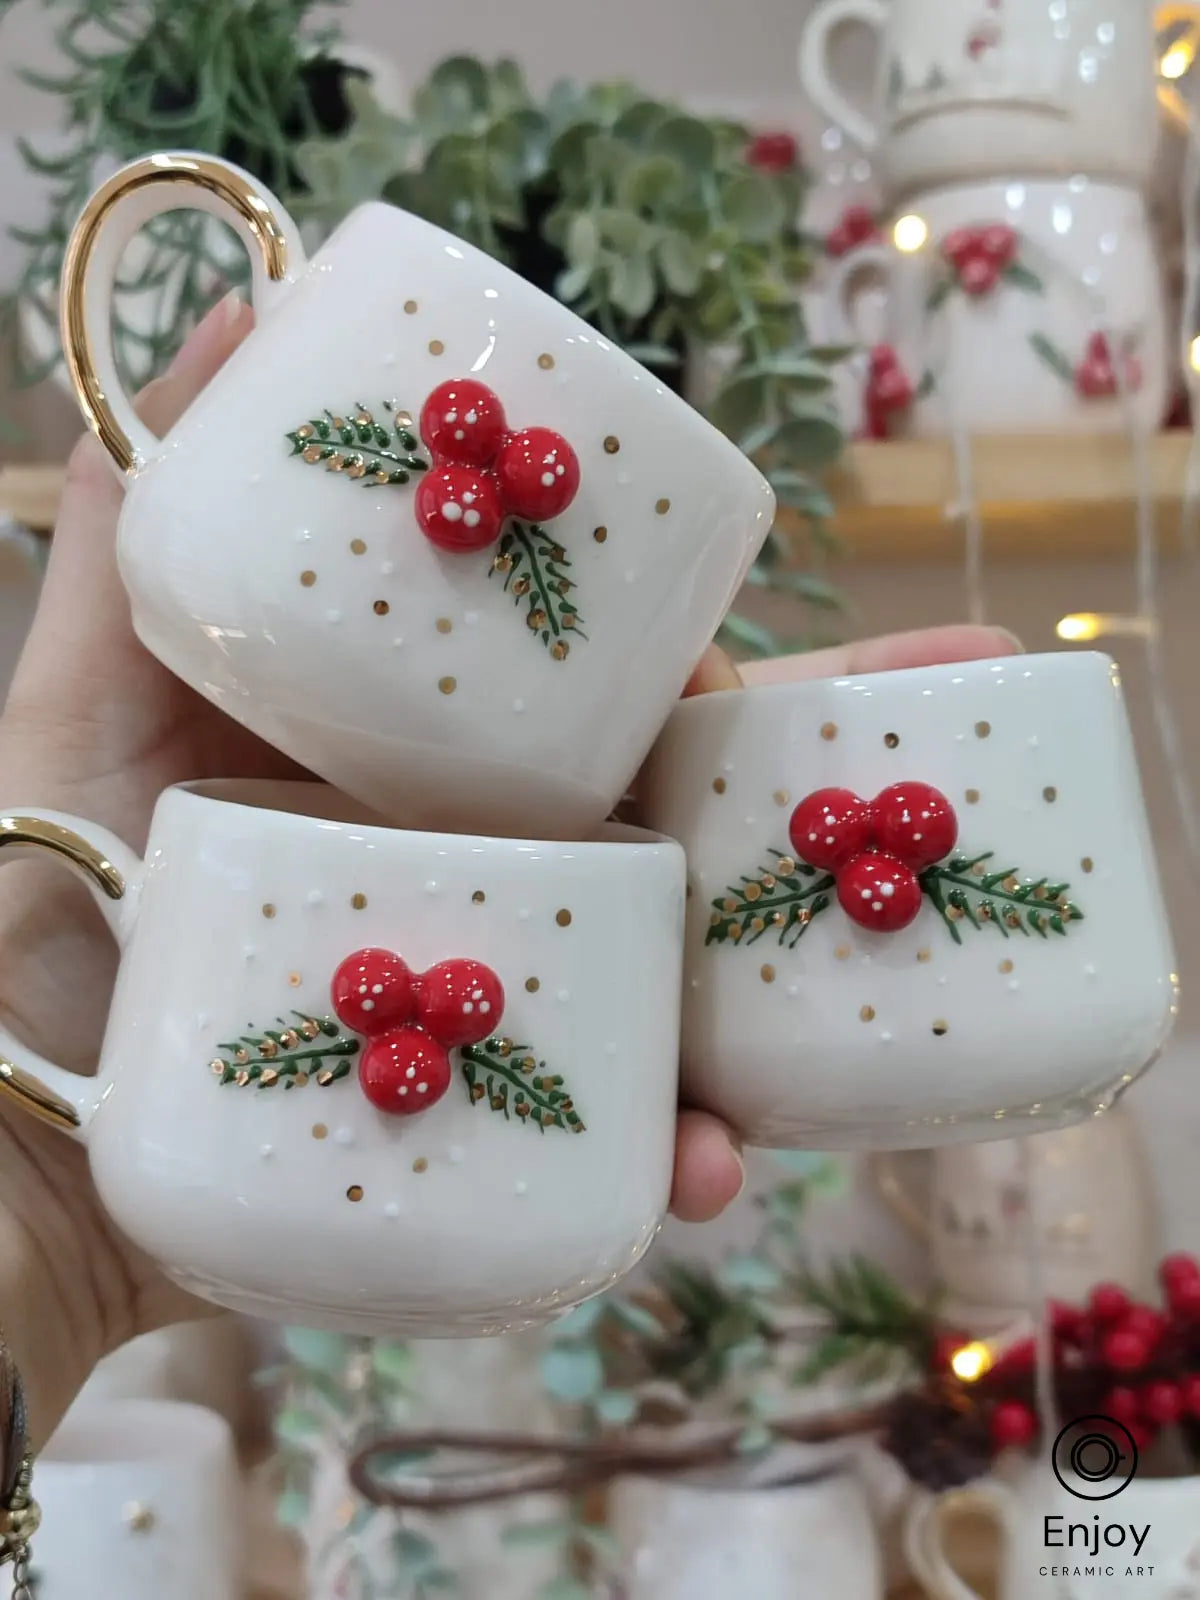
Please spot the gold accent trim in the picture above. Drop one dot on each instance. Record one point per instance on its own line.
(32, 1095)
(195, 172)
(37, 834)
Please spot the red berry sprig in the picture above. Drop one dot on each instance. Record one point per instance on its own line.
(978, 256)
(412, 1021)
(888, 390)
(875, 849)
(1096, 374)
(773, 152)
(482, 473)
(856, 226)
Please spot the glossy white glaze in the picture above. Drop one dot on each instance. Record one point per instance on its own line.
(1091, 248)
(832, 1044)
(1042, 87)
(312, 608)
(308, 1204)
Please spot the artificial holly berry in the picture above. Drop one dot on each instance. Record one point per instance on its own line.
(1124, 1351)
(915, 822)
(459, 1002)
(1108, 1302)
(1189, 1393)
(1178, 1268)
(1146, 1322)
(374, 990)
(879, 892)
(463, 421)
(1183, 1297)
(404, 1071)
(1018, 1359)
(1122, 1404)
(773, 152)
(997, 243)
(537, 473)
(959, 246)
(945, 1347)
(978, 275)
(1069, 1323)
(458, 508)
(829, 826)
(1013, 1424)
(1162, 1403)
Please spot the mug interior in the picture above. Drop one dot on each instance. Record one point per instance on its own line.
(135, 1431)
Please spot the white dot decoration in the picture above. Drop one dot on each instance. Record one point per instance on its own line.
(391, 1211)
(344, 1136)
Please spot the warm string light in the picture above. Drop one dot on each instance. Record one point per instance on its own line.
(972, 1362)
(1079, 627)
(1177, 59)
(909, 232)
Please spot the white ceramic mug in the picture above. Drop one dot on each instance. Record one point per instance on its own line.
(482, 1185)
(707, 1540)
(1042, 87)
(140, 1499)
(1064, 328)
(1088, 1189)
(1152, 1553)
(1033, 978)
(273, 546)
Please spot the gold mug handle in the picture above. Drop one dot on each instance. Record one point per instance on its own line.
(112, 872)
(135, 194)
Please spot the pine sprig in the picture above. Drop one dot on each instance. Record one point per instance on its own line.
(310, 1047)
(534, 567)
(538, 1097)
(963, 890)
(360, 446)
(871, 1319)
(783, 897)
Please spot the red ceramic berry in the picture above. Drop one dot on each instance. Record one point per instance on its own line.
(978, 275)
(458, 508)
(538, 474)
(1189, 1391)
(1178, 1268)
(1109, 1302)
(404, 1071)
(959, 246)
(460, 1002)
(1183, 1297)
(1122, 1404)
(773, 152)
(915, 822)
(1013, 1424)
(1162, 1403)
(829, 826)
(879, 892)
(891, 389)
(1124, 1351)
(856, 226)
(998, 244)
(374, 990)
(463, 421)
(1095, 380)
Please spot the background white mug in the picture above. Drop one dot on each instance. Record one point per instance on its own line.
(269, 567)
(1069, 336)
(807, 1030)
(140, 1500)
(228, 1128)
(980, 91)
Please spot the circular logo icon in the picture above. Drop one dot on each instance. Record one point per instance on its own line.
(1094, 1458)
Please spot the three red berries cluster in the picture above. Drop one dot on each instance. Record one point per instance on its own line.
(482, 473)
(876, 848)
(412, 1020)
(979, 255)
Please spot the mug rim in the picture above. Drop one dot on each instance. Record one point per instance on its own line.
(800, 688)
(104, 1434)
(348, 812)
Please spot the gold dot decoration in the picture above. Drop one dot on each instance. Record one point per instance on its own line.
(532, 985)
(611, 445)
(941, 1026)
(829, 731)
(866, 1014)
(925, 955)
(662, 506)
(308, 578)
(563, 918)
(1087, 864)
(842, 953)
(381, 608)
(719, 786)
(294, 979)
(972, 797)
(410, 307)
(1049, 794)
(781, 797)
(268, 911)
(420, 1164)
(767, 972)
(320, 1131)
(478, 897)
(891, 740)
(444, 625)
(1006, 965)
(447, 685)
(982, 730)
(139, 1517)
(436, 347)
(600, 534)
(354, 1193)
(358, 546)
(358, 901)
(545, 361)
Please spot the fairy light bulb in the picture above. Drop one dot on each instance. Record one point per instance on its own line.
(1080, 626)
(972, 1362)
(1177, 59)
(1194, 354)
(909, 232)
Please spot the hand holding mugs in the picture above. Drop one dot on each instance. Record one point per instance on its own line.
(923, 904)
(370, 1080)
(424, 519)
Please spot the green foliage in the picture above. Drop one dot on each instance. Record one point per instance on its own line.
(964, 889)
(781, 898)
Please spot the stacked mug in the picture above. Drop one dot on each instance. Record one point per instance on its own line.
(1015, 142)
(440, 543)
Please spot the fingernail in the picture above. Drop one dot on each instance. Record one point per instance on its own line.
(1018, 649)
(209, 331)
(738, 1157)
